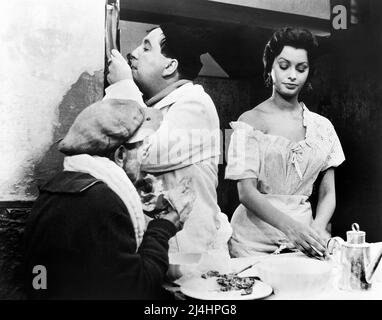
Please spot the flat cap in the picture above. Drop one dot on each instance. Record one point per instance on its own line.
(106, 124)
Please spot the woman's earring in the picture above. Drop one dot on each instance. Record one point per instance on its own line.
(309, 86)
(268, 81)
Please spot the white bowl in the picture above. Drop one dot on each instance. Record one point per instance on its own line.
(180, 261)
(184, 258)
(295, 276)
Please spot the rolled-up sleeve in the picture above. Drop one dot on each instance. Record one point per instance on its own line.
(124, 89)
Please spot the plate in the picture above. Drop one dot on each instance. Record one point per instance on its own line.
(208, 289)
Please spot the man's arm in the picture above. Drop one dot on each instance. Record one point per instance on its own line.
(129, 274)
(124, 89)
(187, 135)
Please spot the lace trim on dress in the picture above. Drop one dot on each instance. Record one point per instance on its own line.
(297, 147)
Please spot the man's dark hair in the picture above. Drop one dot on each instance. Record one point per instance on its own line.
(290, 36)
(186, 44)
(188, 67)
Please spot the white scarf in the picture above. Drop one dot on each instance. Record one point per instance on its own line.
(116, 179)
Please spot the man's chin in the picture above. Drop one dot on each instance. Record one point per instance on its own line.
(137, 82)
(134, 75)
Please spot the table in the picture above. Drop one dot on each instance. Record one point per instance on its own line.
(331, 293)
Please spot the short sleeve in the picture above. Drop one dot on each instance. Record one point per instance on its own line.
(336, 155)
(243, 159)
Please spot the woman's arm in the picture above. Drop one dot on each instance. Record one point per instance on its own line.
(303, 237)
(326, 203)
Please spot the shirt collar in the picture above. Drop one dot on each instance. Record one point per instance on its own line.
(165, 92)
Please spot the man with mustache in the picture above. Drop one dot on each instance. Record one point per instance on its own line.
(160, 75)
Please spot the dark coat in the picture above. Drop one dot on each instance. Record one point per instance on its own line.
(80, 230)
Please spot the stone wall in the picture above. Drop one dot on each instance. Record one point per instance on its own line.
(12, 223)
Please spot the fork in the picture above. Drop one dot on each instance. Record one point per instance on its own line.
(246, 268)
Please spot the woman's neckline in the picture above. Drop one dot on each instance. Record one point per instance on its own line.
(295, 142)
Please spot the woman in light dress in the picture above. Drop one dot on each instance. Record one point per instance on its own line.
(276, 153)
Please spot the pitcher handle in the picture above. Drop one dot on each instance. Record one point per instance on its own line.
(331, 244)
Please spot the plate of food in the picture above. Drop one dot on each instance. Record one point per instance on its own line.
(213, 285)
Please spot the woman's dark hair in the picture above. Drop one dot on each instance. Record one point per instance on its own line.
(290, 36)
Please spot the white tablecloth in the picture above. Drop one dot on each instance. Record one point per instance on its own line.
(331, 293)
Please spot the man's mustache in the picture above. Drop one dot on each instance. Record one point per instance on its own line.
(130, 58)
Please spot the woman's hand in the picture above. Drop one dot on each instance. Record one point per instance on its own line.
(306, 239)
(321, 231)
(119, 69)
(303, 237)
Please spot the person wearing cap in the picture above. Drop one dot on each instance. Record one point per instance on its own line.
(87, 227)
(160, 75)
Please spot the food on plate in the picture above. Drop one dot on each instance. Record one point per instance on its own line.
(157, 201)
(211, 273)
(230, 282)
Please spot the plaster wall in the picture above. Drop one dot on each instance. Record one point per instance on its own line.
(45, 48)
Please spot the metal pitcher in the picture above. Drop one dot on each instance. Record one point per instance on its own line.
(356, 266)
